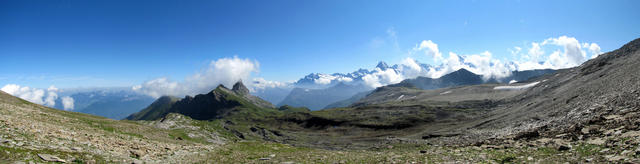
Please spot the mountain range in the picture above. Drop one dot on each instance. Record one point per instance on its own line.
(114, 103)
(588, 113)
(218, 103)
(342, 95)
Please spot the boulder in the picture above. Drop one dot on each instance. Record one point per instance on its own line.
(51, 158)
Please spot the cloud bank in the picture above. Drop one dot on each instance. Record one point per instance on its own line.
(224, 71)
(552, 53)
(565, 51)
(38, 96)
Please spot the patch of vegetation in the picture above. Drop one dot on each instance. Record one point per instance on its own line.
(8, 153)
(585, 150)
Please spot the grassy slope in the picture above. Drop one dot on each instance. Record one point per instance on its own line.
(153, 111)
(33, 129)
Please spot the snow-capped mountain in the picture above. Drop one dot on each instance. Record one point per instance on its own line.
(306, 90)
(394, 73)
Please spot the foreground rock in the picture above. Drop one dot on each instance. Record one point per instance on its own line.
(50, 158)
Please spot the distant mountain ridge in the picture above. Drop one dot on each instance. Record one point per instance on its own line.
(316, 99)
(115, 103)
(466, 77)
(317, 81)
(457, 78)
(215, 104)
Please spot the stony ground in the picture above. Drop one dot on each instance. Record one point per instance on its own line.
(35, 133)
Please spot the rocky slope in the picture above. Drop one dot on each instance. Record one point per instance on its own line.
(32, 132)
(596, 104)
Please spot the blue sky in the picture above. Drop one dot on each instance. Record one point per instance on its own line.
(69, 43)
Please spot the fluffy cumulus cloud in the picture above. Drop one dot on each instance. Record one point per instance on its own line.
(429, 48)
(565, 52)
(224, 71)
(38, 96)
(382, 77)
(409, 68)
(67, 103)
(594, 49)
(51, 96)
(552, 53)
(324, 79)
(483, 64)
(33, 95)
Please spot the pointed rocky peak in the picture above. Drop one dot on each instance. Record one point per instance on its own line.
(382, 65)
(461, 73)
(240, 89)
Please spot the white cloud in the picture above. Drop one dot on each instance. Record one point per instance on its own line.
(261, 83)
(224, 71)
(51, 96)
(573, 54)
(324, 79)
(344, 79)
(34, 95)
(481, 64)
(535, 51)
(565, 51)
(159, 87)
(429, 48)
(382, 77)
(515, 51)
(410, 68)
(594, 49)
(67, 103)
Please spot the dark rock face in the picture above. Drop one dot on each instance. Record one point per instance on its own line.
(215, 104)
(204, 107)
(240, 89)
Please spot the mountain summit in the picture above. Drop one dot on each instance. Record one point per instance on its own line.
(240, 89)
(215, 104)
(382, 65)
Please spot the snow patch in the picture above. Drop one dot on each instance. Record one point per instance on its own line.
(516, 87)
